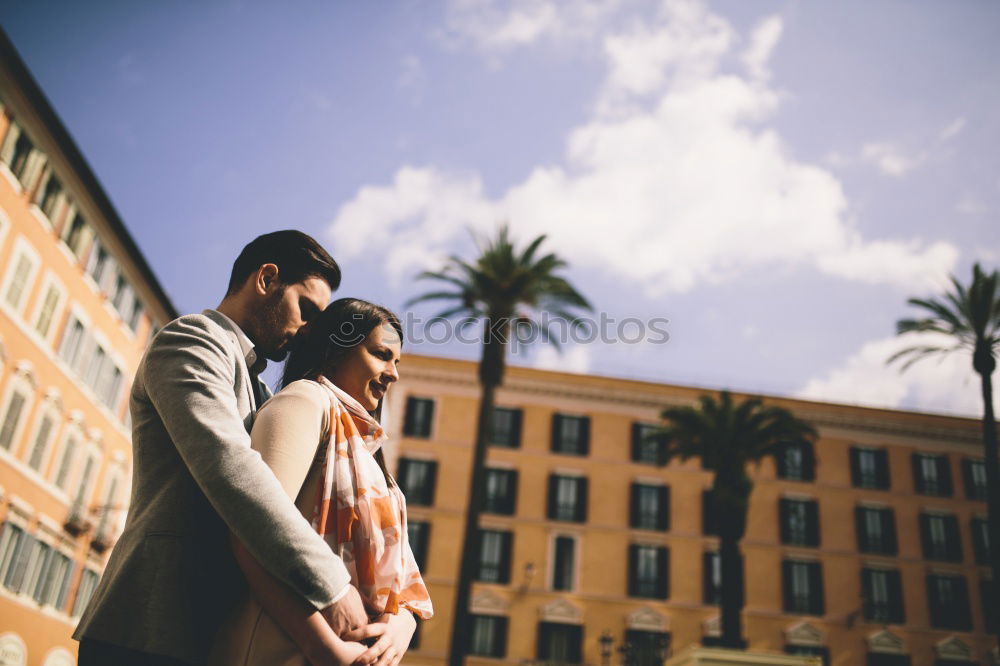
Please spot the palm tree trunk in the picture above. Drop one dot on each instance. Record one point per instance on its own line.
(992, 488)
(731, 521)
(491, 368)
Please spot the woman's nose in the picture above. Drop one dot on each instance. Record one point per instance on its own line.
(391, 373)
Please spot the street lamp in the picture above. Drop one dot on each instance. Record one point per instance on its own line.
(606, 641)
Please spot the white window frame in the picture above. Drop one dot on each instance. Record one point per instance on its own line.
(91, 451)
(4, 225)
(82, 350)
(58, 209)
(77, 608)
(25, 380)
(73, 430)
(49, 282)
(22, 248)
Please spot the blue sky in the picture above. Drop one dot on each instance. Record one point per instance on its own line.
(775, 178)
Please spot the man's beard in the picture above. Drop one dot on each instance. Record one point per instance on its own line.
(270, 342)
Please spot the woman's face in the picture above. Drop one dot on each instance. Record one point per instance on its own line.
(368, 369)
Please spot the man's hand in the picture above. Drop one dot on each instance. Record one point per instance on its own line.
(347, 614)
(394, 633)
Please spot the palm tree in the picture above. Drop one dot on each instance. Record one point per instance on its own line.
(727, 437)
(970, 315)
(508, 290)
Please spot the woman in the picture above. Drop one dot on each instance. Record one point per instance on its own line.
(321, 439)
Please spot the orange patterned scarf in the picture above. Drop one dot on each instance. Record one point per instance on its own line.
(362, 517)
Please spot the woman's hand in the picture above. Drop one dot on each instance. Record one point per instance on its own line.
(394, 633)
(335, 653)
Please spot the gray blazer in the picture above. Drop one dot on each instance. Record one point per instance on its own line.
(171, 577)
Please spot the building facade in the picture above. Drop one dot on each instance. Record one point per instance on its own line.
(78, 304)
(867, 548)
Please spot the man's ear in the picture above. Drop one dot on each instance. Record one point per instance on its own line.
(266, 279)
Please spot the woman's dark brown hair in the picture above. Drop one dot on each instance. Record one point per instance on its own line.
(341, 327)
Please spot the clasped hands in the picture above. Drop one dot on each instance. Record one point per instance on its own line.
(349, 620)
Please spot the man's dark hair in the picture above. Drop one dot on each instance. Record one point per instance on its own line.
(297, 255)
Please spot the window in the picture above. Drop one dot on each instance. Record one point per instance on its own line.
(99, 263)
(940, 538)
(650, 507)
(931, 475)
(133, 319)
(417, 479)
(820, 651)
(568, 498)
(563, 570)
(50, 196)
(560, 643)
(418, 533)
(51, 584)
(802, 583)
(711, 564)
(948, 598)
(646, 647)
(981, 539)
(74, 234)
(86, 479)
(489, 636)
(645, 449)
(974, 472)
(795, 462)
(799, 521)
(570, 434)
(991, 613)
(419, 416)
(648, 571)
(43, 322)
(501, 491)
(506, 429)
(882, 594)
(16, 152)
(19, 279)
(869, 468)
(40, 445)
(73, 340)
(88, 583)
(65, 464)
(494, 556)
(14, 547)
(12, 414)
(876, 529)
(709, 522)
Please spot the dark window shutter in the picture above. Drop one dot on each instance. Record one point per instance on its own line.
(896, 612)
(633, 566)
(581, 499)
(954, 539)
(512, 497)
(505, 550)
(585, 436)
(855, 466)
(867, 584)
(889, 525)
(882, 468)
(553, 486)
(556, 444)
(808, 463)
(925, 536)
(783, 520)
(918, 477)
(944, 474)
(812, 523)
(816, 601)
(633, 510)
(970, 491)
(708, 591)
(501, 638)
(662, 572)
(432, 468)
(781, 461)
(963, 619)
(515, 428)
(663, 517)
(708, 520)
(636, 442)
(862, 532)
(786, 586)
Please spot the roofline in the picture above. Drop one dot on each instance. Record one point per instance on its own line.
(41, 106)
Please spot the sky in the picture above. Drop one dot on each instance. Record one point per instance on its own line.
(774, 179)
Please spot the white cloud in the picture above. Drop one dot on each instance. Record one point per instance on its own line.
(953, 129)
(765, 38)
(942, 383)
(575, 358)
(890, 159)
(675, 180)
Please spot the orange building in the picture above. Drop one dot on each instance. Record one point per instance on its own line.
(78, 304)
(867, 548)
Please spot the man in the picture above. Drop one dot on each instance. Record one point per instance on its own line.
(171, 577)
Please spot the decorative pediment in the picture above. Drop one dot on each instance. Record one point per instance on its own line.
(59, 657)
(561, 610)
(803, 633)
(886, 641)
(488, 602)
(712, 626)
(13, 651)
(646, 619)
(952, 648)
